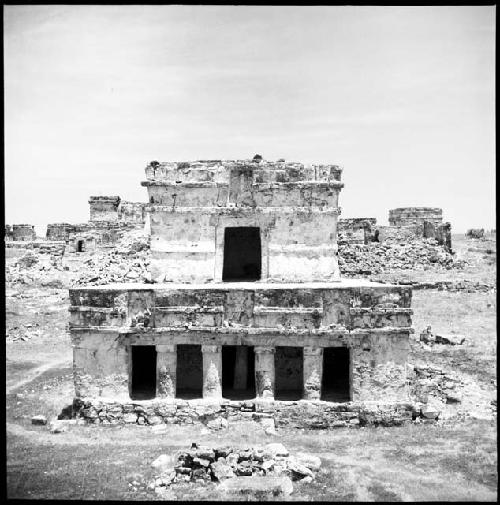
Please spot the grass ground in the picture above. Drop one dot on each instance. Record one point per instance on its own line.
(447, 461)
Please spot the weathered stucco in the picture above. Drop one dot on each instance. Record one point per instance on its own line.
(295, 207)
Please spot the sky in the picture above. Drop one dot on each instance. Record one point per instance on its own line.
(401, 97)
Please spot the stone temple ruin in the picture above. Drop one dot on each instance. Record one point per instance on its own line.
(405, 224)
(247, 314)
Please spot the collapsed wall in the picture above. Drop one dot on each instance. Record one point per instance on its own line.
(87, 237)
(356, 230)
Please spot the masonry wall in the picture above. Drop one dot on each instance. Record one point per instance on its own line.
(98, 234)
(23, 232)
(59, 231)
(356, 230)
(405, 216)
(104, 208)
(132, 212)
(400, 233)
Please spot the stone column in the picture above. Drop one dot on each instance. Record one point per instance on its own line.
(212, 371)
(241, 367)
(264, 372)
(166, 370)
(313, 372)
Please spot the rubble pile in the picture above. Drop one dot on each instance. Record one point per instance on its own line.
(443, 394)
(429, 338)
(376, 257)
(27, 260)
(202, 464)
(429, 384)
(23, 332)
(127, 262)
(35, 268)
(452, 286)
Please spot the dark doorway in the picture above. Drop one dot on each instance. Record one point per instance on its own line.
(143, 372)
(336, 368)
(288, 373)
(238, 372)
(189, 372)
(242, 254)
(79, 246)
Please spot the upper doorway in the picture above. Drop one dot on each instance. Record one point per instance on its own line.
(242, 254)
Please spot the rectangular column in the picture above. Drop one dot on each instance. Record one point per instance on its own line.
(313, 372)
(264, 372)
(166, 370)
(212, 371)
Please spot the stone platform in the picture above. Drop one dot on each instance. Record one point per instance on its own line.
(308, 414)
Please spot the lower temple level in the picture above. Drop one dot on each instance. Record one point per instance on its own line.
(330, 343)
(239, 372)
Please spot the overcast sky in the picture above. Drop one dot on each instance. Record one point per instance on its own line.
(401, 97)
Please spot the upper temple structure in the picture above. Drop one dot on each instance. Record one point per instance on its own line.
(214, 221)
(246, 306)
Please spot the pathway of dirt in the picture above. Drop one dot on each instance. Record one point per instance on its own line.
(32, 374)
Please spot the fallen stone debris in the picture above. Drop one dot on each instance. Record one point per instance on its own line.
(128, 262)
(374, 257)
(427, 337)
(431, 386)
(258, 471)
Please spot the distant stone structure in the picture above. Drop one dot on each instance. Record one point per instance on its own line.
(417, 222)
(406, 216)
(23, 232)
(59, 231)
(359, 230)
(475, 233)
(8, 233)
(104, 208)
(248, 310)
(113, 209)
(110, 218)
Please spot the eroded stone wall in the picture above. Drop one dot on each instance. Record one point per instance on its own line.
(104, 208)
(356, 230)
(23, 232)
(132, 212)
(405, 216)
(59, 231)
